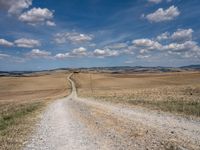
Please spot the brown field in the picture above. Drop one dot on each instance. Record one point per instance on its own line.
(21, 100)
(36, 86)
(177, 92)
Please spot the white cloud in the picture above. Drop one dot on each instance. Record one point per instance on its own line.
(155, 1)
(73, 37)
(179, 43)
(127, 51)
(4, 56)
(143, 51)
(81, 51)
(50, 23)
(143, 56)
(77, 52)
(36, 16)
(163, 36)
(33, 16)
(132, 47)
(120, 48)
(105, 52)
(6, 43)
(36, 53)
(182, 35)
(62, 55)
(161, 15)
(27, 43)
(186, 46)
(147, 44)
(15, 6)
(189, 49)
(193, 54)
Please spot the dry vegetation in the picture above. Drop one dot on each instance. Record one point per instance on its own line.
(175, 92)
(21, 101)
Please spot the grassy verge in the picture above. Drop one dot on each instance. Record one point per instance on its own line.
(189, 108)
(183, 107)
(178, 99)
(16, 120)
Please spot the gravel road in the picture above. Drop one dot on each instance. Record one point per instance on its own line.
(74, 123)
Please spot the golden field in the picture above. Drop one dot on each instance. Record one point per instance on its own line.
(21, 101)
(34, 86)
(177, 92)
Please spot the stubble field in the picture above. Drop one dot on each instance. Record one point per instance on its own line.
(177, 92)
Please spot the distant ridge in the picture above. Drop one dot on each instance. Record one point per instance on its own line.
(192, 66)
(114, 69)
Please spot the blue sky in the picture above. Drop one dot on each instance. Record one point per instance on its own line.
(49, 34)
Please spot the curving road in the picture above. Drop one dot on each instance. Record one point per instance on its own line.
(74, 123)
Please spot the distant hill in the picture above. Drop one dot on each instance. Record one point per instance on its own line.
(115, 69)
(191, 67)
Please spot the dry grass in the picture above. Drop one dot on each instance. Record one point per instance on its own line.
(16, 122)
(21, 101)
(35, 86)
(175, 92)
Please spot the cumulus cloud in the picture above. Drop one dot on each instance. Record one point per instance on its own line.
(62, 55)
(143, 51)
(33, 16)
(50, 23)
(188, 49)
(105, 52)
(163, 36)
(81, 51)
(6, 43)
(161, 15)
(37, 16)
(77, 52)
(27, 43)
(182, 35)
(73, 37)
(15, 6)
(186, 46)
(127, 51)
(147, 44)
(36, 53)
(178, 43)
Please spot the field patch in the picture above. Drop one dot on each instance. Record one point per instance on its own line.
(177, 92)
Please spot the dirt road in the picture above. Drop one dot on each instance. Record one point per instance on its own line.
(75, 123)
